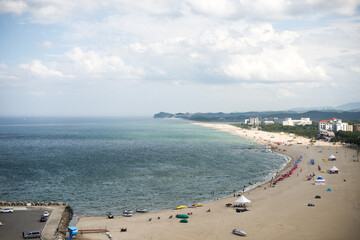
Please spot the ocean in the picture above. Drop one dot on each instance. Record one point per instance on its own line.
(99, 165)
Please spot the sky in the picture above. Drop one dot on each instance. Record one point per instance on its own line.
(136, 58)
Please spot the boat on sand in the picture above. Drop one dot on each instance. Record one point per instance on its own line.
(127, 213)
(239, 232)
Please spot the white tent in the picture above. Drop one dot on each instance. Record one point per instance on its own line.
(320, 181)
(332, 157)
(243, 200)
(334, 170)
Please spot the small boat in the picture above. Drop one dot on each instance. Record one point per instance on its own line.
(127, 213)
(184, 221)
(141, 210)
(239, 232)
(181, 207)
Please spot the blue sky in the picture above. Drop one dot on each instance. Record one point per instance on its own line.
(135, 58)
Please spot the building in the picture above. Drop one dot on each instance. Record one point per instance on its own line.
(334, 124)
(356, 127)
(254, 121)
(302, 121)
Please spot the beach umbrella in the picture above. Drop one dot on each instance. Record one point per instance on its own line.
(243, 200)
(334, 170)
(328, 190)
(320, 181)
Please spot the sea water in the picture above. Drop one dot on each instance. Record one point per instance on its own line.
(114, 164)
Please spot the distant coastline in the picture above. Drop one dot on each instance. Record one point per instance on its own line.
(241, 116)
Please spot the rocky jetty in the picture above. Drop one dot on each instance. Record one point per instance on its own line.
(27, 204)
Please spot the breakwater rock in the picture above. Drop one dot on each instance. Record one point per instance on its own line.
(27, 204)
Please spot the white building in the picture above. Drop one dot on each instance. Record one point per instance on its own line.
(302, 121)
(254, 121)
(334, 124)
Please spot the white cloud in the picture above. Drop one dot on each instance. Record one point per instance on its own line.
(138, 47)
(45, 11)
(242, 52)
(285, 93)
(273, 65)
(46, 44)
(355, 69)
(7, 77)
(3, 65)
(38, 69)
(217, 8)
(95, 63)
(17, 7)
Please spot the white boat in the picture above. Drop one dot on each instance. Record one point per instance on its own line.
(141, 210)
(127, 213)
(239, 232)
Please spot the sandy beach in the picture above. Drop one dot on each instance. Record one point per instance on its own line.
(279, 212)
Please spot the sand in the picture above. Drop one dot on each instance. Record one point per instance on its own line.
(279, 212)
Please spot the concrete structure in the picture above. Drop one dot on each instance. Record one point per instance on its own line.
(302, 121)
(350, 128)
(254, 121)
(356, 128)
(268, 122)
(334, 124)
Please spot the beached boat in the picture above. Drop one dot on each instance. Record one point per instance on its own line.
(127, 213)
(180, 207)
(141, 210)
(239, 232)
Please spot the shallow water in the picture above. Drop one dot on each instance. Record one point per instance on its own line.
(112, 164)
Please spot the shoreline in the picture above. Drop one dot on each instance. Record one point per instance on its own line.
(289, 215)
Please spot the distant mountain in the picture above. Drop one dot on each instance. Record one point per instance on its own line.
(355, 106)
(352, 107)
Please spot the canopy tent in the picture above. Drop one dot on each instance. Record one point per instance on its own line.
(334, 170)
(243, 200)
(332, 157)
(320, 181)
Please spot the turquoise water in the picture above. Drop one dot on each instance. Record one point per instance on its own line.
(112, 164)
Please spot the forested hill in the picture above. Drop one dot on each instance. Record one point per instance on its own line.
(233, 117)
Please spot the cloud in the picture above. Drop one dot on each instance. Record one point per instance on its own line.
(3, 65)
(285, 93)
(284, 65)
(94, 63)
(45, 11)
(217, 8)
(46, 44)
(7, 77)
(40, 70)
(243, 52)
(17, 7)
